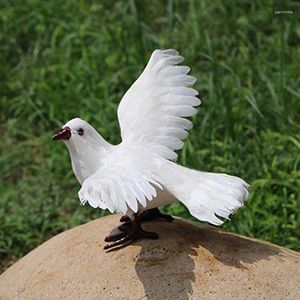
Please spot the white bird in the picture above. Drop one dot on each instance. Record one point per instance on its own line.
(138, 175)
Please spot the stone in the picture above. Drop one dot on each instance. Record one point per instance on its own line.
(189, 261)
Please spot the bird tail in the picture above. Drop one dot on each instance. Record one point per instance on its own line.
(205, 194)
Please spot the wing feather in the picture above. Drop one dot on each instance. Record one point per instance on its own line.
(152, 112)
(120, 186)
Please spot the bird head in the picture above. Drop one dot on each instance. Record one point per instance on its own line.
(81, 137)
(85, 145)
(74, 129)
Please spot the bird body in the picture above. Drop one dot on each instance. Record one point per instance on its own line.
(140, 173)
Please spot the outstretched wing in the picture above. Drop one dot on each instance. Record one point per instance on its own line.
(125, 182)
(152, 113)
(152, 117)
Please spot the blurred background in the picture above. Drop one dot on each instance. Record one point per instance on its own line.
(62, 59)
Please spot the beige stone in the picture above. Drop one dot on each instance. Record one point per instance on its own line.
(189, 261)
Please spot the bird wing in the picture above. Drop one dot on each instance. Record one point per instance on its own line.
(152, 120)
(152, 114)
(124, 182)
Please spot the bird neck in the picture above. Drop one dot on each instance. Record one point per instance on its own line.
(88, 156)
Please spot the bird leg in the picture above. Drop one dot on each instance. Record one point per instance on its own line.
(148, 215)
(129, 234)
(145, 216)
(154, 213)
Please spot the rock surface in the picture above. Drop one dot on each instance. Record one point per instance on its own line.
(189, 261)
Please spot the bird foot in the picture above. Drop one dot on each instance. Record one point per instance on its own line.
(130, 230)
(127, 235)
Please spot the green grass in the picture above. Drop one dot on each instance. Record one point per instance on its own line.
(61, 59)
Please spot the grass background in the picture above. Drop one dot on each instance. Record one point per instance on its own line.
(61, 59)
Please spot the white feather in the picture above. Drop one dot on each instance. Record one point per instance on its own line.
(159, 99)
(205, 194)
(152, 116)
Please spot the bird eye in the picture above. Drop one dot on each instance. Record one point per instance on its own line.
(80, 131)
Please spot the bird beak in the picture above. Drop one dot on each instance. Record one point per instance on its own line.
(62, 134)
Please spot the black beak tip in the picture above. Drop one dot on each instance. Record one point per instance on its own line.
(54, 138)
(62, 134)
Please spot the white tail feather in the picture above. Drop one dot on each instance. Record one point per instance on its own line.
(205, 194)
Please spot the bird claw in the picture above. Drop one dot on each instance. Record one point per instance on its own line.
(125, 219)
(130, 235)
(125, 226)
(127, 222)
(130, 230)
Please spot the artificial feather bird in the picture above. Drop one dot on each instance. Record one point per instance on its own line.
(139, 175)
